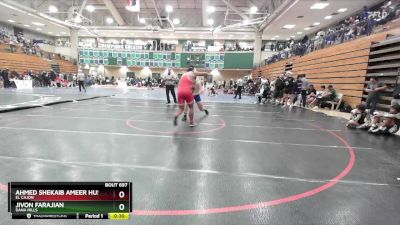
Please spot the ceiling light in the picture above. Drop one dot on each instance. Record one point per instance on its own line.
(316, 23)
(272, 38)
(78, 19)
(210, 9)
(289, 26)
(49, 32)
(292, 36)
(64, 32)
(342, 10)
(169, 9)
(37, 24)
(210, 22)
(319, 5)
(11, 21)
(26, 25)
(53, 9)
(90, 8)
(253, 9)
(38, 28)
(328, 17)
(58, 35)
(307, 28)
(109, 20)
(299, 32)
(287, 39)
(277, 36)
(176, 21)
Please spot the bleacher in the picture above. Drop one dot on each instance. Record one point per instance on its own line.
(384, 62)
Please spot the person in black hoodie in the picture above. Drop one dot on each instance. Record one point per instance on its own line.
(279, 85)
(6, 79)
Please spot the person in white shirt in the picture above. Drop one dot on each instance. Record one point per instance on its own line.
(239, 84)
(81, 80)
(13, 43)
(170, 79)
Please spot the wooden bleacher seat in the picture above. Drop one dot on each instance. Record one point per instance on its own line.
(22, 62)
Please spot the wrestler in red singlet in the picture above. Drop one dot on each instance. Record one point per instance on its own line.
(185, 89)
(185, 94)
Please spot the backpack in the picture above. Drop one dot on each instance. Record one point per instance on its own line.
(344, 107)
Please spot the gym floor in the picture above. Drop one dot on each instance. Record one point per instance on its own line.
(243, 164)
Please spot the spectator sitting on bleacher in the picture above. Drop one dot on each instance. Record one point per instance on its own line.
(311, 94)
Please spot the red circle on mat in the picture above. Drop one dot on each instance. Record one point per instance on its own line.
(129, 123)
(314, 191)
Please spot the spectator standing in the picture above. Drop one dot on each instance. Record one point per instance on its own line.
(279, 85)
(304, 88)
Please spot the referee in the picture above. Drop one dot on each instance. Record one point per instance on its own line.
(170, 79)
(239, 84)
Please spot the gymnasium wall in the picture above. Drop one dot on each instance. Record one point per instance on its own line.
(344, 66)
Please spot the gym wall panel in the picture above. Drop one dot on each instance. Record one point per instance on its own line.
(238, 60)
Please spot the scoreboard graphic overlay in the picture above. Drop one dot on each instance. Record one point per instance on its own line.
(70, 200)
